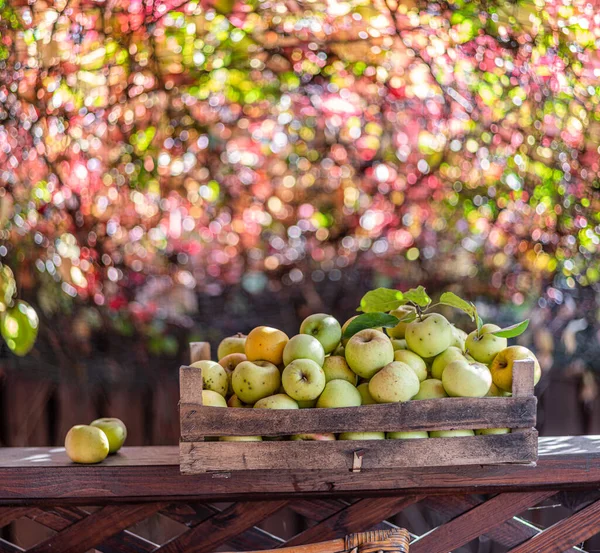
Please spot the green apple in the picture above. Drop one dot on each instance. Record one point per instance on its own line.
(277, 401)
(234, 401)
(432, 388)
(502, 366)
(303, 346)
(86, 444)
(369, 351)
(429, 335)
(395, 382)
(484, 346)
(365, 397)
(115, 431)
(324, 328)
(447, 356)
(229, 363)
(407, 435)
(214, 376)
(303, 379)
(232, 344)
(464, 379)
(450, 433)
(362, 436)
(492, 431)
(335, 367)
(399, 330)
(240, 439)
(312, 437)
(307, 404)
(339, 393)
(253, 380)
(213, 399)
(413, 361)
(459, 337)
(398, 343)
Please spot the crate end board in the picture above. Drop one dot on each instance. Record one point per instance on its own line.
(202, 457)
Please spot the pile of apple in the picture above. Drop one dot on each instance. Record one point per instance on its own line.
(92, 443)
(406, 352)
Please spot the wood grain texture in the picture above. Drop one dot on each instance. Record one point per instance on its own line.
(430, 414)
(523, 378)
(566, 533)
(477, 521)
(9, 514)
(201, 457)
(221, 527)
(190, 387)
(95, 528)
(361, 515)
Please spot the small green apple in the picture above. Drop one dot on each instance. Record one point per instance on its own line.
(429, 335)
(240, 439)
(213, 399)
(407, 435)
(253, 380)
(464, 379)
(115, 431)
(447, 356)
(459, 337)
(432, 388)
(362, 436)
(339, 393)
(312, 437)
(395, 382)
(232, 344)
(86, 444)
(413, 361)
(399, 330)
(335, 367)
(366, 397)
(303, 346)
(398, 343)
(492, 431)
(369, 351)
(484, 346)
(324, 328)
(303, 379)
(214, 376)
(277, 401)
(450, 433)
(502, 366)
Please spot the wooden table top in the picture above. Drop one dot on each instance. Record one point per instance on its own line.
(152, 474)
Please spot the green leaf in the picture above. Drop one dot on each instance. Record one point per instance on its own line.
(513, 330)
(381, 299)
(370, 320)
(452, 300)
(417, 296)
(19, 327)
(479, 324)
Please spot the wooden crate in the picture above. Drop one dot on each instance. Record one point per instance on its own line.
(199, 422)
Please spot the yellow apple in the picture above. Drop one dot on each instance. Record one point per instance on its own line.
(483, 345)
(362, 436)
(303, 379)
(502, 366)
(335, 367)
(214, 376)
(450, 433)
(439, 363)
(252, 381)
(395, 382)
(86, 444)
(240, 439)
(399, 330)
(464, 379)
(407, 435)
(491, 431)
(266, 344)
(365, 396)
(213, 399)
(339, 393)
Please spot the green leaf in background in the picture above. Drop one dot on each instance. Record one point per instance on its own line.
(418, 296)
(19, 327)
(381, 299)
(452, 300)
(370, 320)
(513, 330)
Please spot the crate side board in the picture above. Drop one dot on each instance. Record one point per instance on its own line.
(200, 457)
(429, 414)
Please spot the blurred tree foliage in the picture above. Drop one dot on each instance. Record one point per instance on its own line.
(149, 149)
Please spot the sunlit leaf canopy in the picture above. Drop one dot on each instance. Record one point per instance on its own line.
(214, 143)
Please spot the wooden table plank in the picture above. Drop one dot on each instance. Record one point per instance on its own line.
(152, 474)
(565, 534)
(476, 522)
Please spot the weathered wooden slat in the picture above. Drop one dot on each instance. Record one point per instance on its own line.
(476, 522)
(201, 457)
(566, 533)
(96, 528)
(222, 527)
(510, 533)
(523, 378)
(432, 414)
(359, 516)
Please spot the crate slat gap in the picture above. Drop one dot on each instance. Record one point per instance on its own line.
(199, 421)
